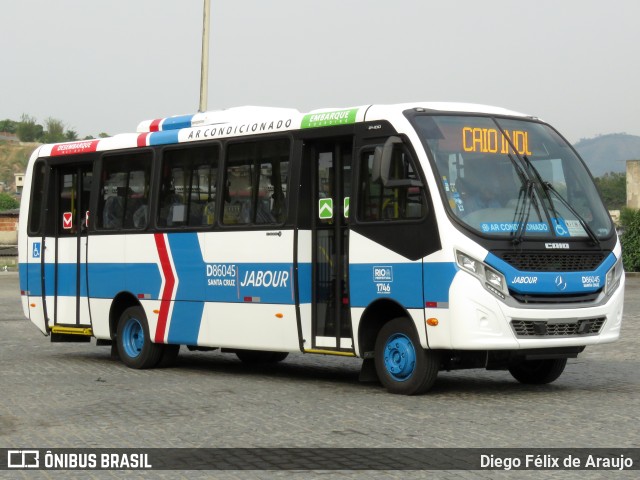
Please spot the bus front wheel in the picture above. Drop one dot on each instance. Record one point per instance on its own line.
(134, 342)
(403, 366)
(537, 372)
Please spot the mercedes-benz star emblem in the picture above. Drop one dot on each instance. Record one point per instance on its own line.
(560, 283)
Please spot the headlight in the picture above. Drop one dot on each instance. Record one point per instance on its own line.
(468, 263)
(613, 277)
(492, 280)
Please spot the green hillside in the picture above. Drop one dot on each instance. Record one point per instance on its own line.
(13, 159)
(609, 153)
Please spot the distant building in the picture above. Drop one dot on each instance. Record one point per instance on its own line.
(9, 137)
(633, 183)
(19, 181)
(9, 227)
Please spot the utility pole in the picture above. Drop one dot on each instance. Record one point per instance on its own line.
(204, 72)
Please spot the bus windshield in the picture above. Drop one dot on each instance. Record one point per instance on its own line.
(509, 177)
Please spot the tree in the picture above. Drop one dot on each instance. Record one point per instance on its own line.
(28, 130)
(70, 135)
(8, 126)
(613, 189)
(8, 202)
(630, 239)
(54, 132)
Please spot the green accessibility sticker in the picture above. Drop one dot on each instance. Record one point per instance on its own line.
(327, 119)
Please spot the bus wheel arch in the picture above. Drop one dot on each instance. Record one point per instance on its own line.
(121, 302)
(373, 319)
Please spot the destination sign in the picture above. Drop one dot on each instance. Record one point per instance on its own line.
(491, 140)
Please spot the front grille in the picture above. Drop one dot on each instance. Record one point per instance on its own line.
(543, 328)
(552, 261)
(529, 298)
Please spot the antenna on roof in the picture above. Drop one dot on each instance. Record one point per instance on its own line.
(204, 72)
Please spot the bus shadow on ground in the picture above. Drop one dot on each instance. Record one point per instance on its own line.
(344, 372)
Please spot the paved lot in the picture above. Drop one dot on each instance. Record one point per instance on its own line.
(75, 395)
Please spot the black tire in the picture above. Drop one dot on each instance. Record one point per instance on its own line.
(135, 347)
(402, 365)
(537, 372)
(259, 356)
(169, 356)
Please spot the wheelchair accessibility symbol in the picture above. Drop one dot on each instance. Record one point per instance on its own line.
(560, 227)
(36, 250)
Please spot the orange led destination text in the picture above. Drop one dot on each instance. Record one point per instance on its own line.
(491, 140)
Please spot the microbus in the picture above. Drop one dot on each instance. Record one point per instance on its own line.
(418, 237)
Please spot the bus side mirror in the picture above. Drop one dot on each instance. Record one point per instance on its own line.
(382, 160)
(381, 167)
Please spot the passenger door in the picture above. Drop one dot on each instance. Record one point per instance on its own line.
(65, 246)
(329, 181)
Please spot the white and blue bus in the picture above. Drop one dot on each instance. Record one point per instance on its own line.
(416, 237)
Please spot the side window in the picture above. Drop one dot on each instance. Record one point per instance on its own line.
(188, 187)
(255, 182)
(124, 192)
(402, 197)
(36, 204)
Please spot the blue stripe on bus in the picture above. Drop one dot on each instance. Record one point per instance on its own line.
(177, 122)
(553, 283)
(186, 319)
(250, 282)
(438, 277)
(163, 138)
(401, 282)
(186, 315)
(190, 267)
(304, 282)
(106, 279)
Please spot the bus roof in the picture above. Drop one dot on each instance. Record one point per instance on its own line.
(250, 120)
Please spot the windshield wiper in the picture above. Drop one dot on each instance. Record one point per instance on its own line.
(527, 195)
(594, 238)
(548, 187)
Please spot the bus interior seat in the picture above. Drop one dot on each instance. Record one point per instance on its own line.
(112, 212)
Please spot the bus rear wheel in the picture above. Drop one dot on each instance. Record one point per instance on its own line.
(134, 342)
(537, 372)
(403, 366)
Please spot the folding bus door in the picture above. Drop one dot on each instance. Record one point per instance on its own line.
(64, 255)
(330, 190)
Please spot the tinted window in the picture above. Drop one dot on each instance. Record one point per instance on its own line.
(188, 187)
(256, 183)
(124, 191)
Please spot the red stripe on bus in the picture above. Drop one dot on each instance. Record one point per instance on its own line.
(155, 125)
(142, 139)
(167, 291)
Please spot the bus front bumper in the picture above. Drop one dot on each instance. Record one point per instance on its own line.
(477, 320)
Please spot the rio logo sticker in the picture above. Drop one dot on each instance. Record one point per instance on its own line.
(382, 277)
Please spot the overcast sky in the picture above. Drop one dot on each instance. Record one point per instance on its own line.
(103, 66)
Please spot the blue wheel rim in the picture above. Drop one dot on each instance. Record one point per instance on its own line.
(399, 357)
(133, 337)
